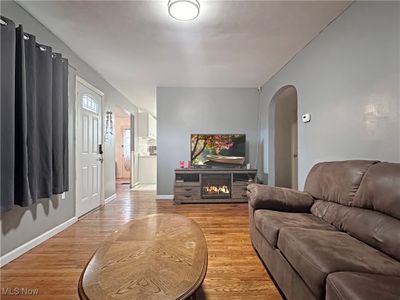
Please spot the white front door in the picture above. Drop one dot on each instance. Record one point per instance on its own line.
(89, 159)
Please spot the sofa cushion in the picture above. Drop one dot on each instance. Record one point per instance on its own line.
(269, 223)
(314, 254)
(362, 286)
(336, 181)
(380, 189)
(372, 227)
(278, 198)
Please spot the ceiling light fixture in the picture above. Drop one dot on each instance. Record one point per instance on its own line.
(184, 10)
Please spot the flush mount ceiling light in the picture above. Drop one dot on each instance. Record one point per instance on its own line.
(184, 10)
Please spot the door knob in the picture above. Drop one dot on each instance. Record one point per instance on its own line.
(100, 160)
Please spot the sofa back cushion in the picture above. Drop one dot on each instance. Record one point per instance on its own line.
(336, 181)
(380, 189)
(372, 227)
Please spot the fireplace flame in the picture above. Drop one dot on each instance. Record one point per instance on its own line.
(213, 189)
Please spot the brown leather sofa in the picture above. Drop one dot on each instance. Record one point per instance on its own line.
(339, 239)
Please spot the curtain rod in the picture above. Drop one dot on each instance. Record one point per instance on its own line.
(26, 37)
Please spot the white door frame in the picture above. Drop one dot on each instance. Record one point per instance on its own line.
(82, 81)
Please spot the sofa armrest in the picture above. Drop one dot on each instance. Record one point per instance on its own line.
(277, 198)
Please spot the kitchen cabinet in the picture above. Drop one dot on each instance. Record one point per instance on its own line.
(147, 126)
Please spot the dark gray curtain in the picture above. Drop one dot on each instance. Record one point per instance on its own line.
(34, 119)
(65, 126)
(44, 90)
(7, 117)
(32, 141)
(57, 115)
(22, 195)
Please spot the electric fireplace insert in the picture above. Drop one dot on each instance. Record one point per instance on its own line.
(216, 186)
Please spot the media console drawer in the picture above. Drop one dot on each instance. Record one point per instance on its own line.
(187, 190)
(183, 197)
(186, 193)
(239, 188)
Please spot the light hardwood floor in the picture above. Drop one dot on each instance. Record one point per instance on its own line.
(234, 270)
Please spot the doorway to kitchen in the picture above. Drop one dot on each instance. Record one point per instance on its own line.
(147, 153)
(123, 147)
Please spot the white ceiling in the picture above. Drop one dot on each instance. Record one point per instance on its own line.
(136, 46)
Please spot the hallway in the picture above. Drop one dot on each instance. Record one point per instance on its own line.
(234, 270)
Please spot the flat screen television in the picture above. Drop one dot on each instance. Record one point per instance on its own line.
(218, 149)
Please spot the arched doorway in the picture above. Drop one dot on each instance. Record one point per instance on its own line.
(283, 138)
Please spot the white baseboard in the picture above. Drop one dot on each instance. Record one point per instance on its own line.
(17, 252)
(165, 197)
(135, 185)
(111, 198)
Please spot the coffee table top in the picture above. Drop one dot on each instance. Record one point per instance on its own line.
(161, 256)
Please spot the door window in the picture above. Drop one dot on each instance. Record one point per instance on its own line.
(90, 104)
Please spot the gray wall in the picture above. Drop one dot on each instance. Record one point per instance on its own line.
(348, 79)
(23, 224)
(182, 111)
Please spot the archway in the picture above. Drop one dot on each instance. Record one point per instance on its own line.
(283, 138)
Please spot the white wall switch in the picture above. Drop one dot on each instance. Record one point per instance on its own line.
(306, 118)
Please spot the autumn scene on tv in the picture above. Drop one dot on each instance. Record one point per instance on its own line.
(218, 149)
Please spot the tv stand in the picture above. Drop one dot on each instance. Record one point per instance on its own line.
(212, 185)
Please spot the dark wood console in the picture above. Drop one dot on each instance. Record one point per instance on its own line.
(212, 185)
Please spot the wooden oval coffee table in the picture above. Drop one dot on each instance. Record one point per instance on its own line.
(162, 256)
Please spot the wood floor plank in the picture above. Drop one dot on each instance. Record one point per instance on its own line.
(234, 270)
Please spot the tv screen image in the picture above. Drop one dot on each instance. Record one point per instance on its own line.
(218, 149)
